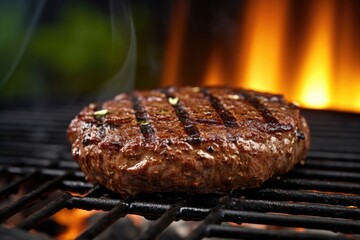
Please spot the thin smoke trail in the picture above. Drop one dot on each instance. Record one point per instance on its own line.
(25, 42)
(124, 78)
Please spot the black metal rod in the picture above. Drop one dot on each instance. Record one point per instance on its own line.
(106, 204)
(29, 199)
(155, 228)
(44, 171)
(45, 213)
(303, 196)
(327, 174)
(322, 185)
(108, 219)
(76, 186)
(331, 164)
(336, 225)
(334, 155)
(14, 186)
(214, 217)
(88, 203)
(221, 231)
(311, 209)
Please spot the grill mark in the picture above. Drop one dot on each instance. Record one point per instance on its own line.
(208, 121)
(142, 118)
(265, 113)
(228, 119)
(184, 118)
(271, 123)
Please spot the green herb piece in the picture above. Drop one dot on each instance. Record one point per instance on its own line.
(100, 114)
(173, 100)
(163, 110)
(144, 122)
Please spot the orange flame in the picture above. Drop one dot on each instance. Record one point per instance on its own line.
(315, 74)
(74, 220)
(348, 74)
(174, 45)
(214, 75)
(313, 60)
(261, 50)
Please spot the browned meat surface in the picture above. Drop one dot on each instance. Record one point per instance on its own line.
(188, 139)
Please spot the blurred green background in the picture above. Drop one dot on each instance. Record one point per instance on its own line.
(73, 48)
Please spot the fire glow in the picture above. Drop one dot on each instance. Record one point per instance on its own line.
(312, 57)
(74, 220)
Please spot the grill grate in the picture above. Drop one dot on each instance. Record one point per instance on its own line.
(321, 195)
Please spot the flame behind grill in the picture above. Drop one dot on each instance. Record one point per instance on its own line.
(312, 57)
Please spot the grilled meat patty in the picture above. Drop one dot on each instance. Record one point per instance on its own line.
(188, 139)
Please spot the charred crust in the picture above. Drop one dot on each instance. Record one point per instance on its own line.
(102, 132)
(210, 149)
(194, 139)
(299, 135)
(232, 139)
(111, 145)
(88, 139)
(277, 127)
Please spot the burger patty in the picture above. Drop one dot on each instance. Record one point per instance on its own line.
(189, 139)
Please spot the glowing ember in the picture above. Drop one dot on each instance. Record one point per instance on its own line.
(136, 220)
(74, 220)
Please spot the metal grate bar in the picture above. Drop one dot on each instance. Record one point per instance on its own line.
(331, 186)
(343, 156)
(90, 203)
(37, 162)
(326, 174)
(214, 217)
(298, 208)
(45, 213)
(29, 198)
(303, 196)
(76, 186)
(155, 228)
(24, 161)
(108, 219)
(331, 224)
(221, 231)
(26, 146)
(44, 171)
(334, 165)
(14, 186)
